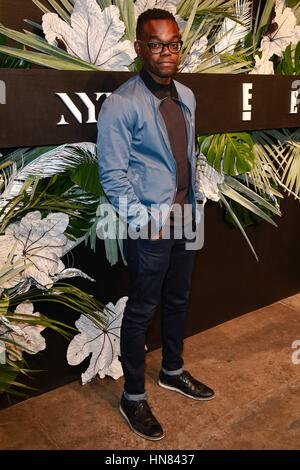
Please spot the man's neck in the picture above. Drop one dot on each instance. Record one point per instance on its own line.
(160, 80)
(160, 90)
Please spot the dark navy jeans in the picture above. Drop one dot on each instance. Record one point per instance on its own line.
(159, 271)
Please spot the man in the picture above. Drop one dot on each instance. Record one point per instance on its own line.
(147, 156)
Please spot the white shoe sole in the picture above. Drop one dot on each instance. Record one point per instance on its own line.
(169, 387)
(137, 432)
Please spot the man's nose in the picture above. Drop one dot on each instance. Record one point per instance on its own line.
(165, 49)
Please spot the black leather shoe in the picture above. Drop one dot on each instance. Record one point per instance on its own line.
(185, 384)
(140, 419)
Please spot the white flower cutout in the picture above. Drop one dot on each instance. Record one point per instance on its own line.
(39, 244)
(231, 32)
(94, 35)
(263, 66)
(207, 180)
(27, 336)
(194, 57)
(103, 344)
(283, 32)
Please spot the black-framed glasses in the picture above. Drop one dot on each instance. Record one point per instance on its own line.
(157, 47)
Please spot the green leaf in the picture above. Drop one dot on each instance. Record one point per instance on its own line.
(291, 3)
(204, 143)
(287, 62)
(297, 59)
(2, 39)
(86, 176)
(233, 150)
(127, 15)
(34, 24)
(4, 304)
(245, 217)
(262, 21)
(190, 20)
(11, 62)
(277, 65)
(248, 40)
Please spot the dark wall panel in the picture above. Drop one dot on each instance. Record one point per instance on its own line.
(227, 282)
(13, 12)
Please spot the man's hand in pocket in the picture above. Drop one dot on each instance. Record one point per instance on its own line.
(157, 236)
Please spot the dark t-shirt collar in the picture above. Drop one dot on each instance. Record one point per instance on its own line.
(158, 89)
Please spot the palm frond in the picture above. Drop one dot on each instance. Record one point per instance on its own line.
(44, 162)
(6, 61)
(34, 24)
(296, 10)
(227, 205)
(8, 383)
(263, 16)
(245, 202)
(236, 191)
(71, 297)
(62, 293)
(206, 8)
(203, 29)
(263, 174)
(190, 21)
(291, 174)
(62, 7)
(258, 200)
(223, 62)
(9, 271)
(232, 32)
(44, 60)
(27, 167)
(49, 56)
(4, 304)
(284, 148)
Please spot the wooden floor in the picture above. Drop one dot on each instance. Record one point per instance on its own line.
(248, 361)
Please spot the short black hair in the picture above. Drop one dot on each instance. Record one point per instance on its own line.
(152, 14)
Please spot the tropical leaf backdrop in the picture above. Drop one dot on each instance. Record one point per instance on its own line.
(246, 173)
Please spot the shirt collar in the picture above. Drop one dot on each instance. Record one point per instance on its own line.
(158, 89)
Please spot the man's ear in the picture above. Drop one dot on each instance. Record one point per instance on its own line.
(137, 48)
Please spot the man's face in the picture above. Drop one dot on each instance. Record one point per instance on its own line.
(164, 64)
